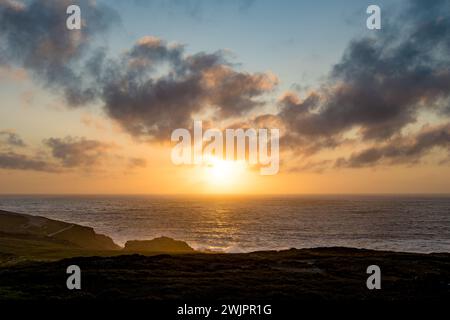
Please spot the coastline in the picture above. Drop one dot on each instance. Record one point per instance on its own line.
(29, 272)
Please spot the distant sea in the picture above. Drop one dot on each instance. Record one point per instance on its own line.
(242, 224)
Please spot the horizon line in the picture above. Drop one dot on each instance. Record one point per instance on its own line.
(235, 194)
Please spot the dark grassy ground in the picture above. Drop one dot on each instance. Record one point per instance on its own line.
(329, 274)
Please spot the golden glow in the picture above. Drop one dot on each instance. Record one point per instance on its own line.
(219, 172)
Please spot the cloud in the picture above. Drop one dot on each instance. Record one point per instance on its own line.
(10, 159)
(65, 154)
(11, 139)
(381, 85)
(157, 88)
(401, 150)
(78, 152)
(153, 88)
(14, 161)
(69, 154)
(34, 36)
(382, 82)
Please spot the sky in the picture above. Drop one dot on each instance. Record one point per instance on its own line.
(91, 111)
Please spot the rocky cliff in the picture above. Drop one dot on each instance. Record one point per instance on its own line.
(43, 229)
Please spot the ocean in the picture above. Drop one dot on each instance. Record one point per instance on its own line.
(250, 223)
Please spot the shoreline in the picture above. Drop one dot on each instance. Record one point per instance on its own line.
(33, 268)
(66, 226)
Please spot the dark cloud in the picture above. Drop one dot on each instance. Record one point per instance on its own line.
(381, 85)
(150, 90)
(10, 159)
(150, 102)
(401, 150)
(14, 161)
(78, 152)
(34, 35)
(67, 154)
(382, 82)
(11, 139)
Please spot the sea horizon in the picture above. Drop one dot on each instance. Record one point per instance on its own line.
(242, 223)
(406, 194)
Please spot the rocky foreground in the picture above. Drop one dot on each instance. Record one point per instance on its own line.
(328, 274)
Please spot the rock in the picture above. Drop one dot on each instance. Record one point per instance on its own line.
(161, 244)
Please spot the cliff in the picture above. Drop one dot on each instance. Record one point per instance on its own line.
(28, 237)
(52, 231)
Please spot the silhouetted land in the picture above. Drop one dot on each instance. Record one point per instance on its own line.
(331, 274)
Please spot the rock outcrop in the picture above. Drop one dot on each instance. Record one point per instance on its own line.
(161, 244)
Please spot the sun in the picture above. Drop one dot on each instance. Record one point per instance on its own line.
(223, 172)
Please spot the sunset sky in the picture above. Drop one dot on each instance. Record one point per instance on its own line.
(92, 111)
